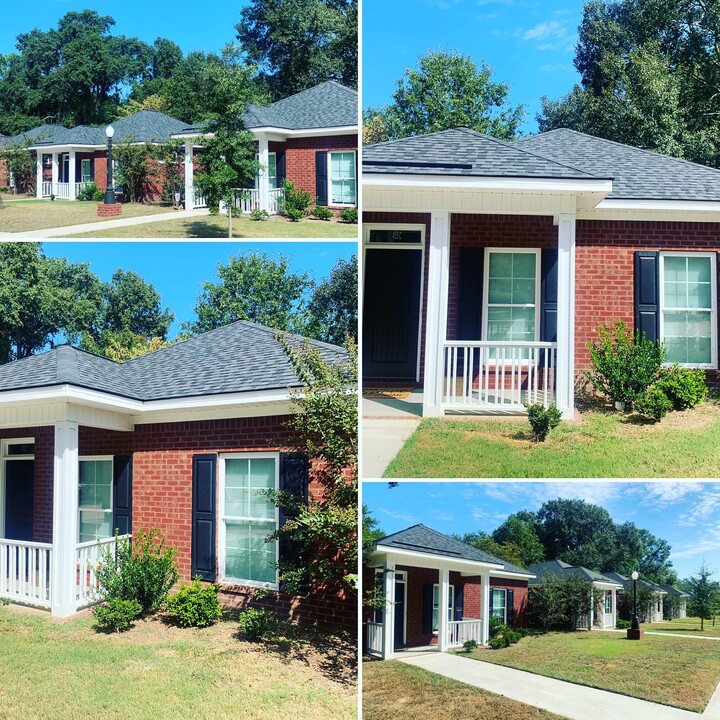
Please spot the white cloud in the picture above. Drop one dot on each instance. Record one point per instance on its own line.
(663, 494)
(707, 504)
(399, 516)
(549, 35)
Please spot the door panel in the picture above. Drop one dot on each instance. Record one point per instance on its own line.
(392, 313)
(399, 639)
(19, 499)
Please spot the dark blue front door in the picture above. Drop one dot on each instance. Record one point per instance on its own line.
(19, 499)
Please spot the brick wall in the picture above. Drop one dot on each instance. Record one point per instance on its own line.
(520, 597)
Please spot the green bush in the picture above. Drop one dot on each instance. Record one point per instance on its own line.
(542, 420)
(470, 645)
(498, 642)
(623, 369)
(194, 605)
(259, 214)
(116, 615)
(294, 214)
(496, 625)
(321, 212)
(99, 196)
(142, 570)
(653, 403)
(256, 624)
(622, 624)
(295, 201)
(88, 191)
(4, 601)
(349, 215)
(685, 387)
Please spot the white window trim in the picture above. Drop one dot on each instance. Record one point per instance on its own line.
(4, 457)
(451, 606)
(221, 533)
(265, 170)
(504, 592)
(82, 174)
(330, 153)
(713, 305)
(400, 577)
(91, 458)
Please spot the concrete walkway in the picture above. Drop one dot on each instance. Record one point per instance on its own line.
(567, 699)
(72, 230)
(382, 439)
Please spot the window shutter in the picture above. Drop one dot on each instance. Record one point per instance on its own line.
(491, 602)
(470, 294)
(459, 600)
(427, 609)
(122, 495)
(294, 479)
(321, 178)
(647, 294)
(204, 556)
(510, 607)
(280, 168)
(548, 295)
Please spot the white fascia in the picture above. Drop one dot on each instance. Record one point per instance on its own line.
(607, 586)
(411, 557)
(506, 574)
(660, 205)
(279, 134)
(64, 148)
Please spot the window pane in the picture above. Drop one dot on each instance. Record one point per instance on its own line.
(246, 481)
(20, 449)
(523, 265)
(675, 268)
(500, 265)
(511, 324)
(343, 192)
(698, 269)
(248, 556)
(688, 337)
(94, 499)
(395, 236)
(523, 291)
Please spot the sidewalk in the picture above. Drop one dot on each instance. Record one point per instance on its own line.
(381, 442)
(667, 634)
(576, 702)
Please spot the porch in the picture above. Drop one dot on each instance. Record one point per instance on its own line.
(63, 190)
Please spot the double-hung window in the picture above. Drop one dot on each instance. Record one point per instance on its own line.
(499, 604)
(85, 171)
(95, 510)
(342, 178)
(608, 602)
(688, 308)
(436, 605)
(248, 518)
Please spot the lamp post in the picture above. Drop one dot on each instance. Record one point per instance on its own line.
(110, 189)
(635, 622)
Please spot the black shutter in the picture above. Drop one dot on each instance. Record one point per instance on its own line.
(321, 178)
(470, 294)
(427, 609)
(203, 561)
(491, 603)
(459, 599)
(548, 295)
(647, 294)
(122, 495)
(510, 606)
(294, 478)
(280, 168)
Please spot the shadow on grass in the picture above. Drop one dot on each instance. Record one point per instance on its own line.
(200, 229)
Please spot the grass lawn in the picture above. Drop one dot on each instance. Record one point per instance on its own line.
(673, 671)
(26, 215)
(216, 227)
(689, 627)
(66, 671)
(395, 691)
(601, 445)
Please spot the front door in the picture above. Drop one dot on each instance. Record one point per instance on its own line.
(19, 499)
(399, 640)
(391, 315)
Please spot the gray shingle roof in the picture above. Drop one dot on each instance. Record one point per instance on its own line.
(623, 579)
(637, 174)
(670, 590)
(461, 151)
(422, 539)
(239, 357)
(563, 570)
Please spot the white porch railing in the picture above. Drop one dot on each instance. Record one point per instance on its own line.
(482, 375)
(88, 556)
(460, 631)
(61, 190)
(25, 572)
(374, 638)
(248, 199)
(46, 189)
(275, 198)
(200, 201)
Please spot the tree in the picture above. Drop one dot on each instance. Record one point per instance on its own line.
(21, 163)
(371, 533)
(333, 306)
(655, 564)
(646, 598)
(448, 90)
(546, 603)
(122, 346)
(505, 551)
(136, 173)
(300, 43)
(253, 287)
(522, 534)
(705, 601)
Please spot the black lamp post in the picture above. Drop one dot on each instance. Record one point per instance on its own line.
(110, 189)
(635, 622)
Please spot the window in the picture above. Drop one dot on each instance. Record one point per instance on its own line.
(95, 499)
(608, 603)
(395, 236)
(85, 171)
(687, 307)
(499, 604)
(248, 517)
(342, 178)
(436, 605)
(272, 170)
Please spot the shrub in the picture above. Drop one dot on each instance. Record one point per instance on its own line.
(256, 624)
(295, 201)
(194, 605)
(623, 369)
(321, 213)
(653, 403)
(349, 215)
(143, 570)
(622, 624)
(496, 625)
(294, 214)
(685, 387)
(498, 642)
(542, 420)
(470, 645)
(4, 601)
(259, 214)
(99, 196)
(116, 615)
(88, 191)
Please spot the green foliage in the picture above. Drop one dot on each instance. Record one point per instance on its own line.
(170, 169)
(321, 212)
(685, 387)
(135, 173)
(646, 598)
(503, 636)
(88, 191)
(520, 530)
(333, 307)
(20, 162)
(294, 214)
(705, 600)
(257, 624)
(258, 214)
(98, 196)
(542, 420)
(470, 645)
(546, 603)
(495, 625)
(349, 215)
(294, 201)
(653, 403)
(506, 551)
(371, 533)
(142, 570)
(194, 605)
(623, 369)
(116, 615)
(622, 624)
(4, 601)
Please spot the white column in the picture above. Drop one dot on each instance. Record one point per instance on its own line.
(566, 316)
(388, 628)
(592, 601)
(485, 607)
(264, 176)
(71, 178)
(443, 627)
(614, 607)
(65, 519)
(189, 176)
(38, 174)
(437, 304)
(55, 172)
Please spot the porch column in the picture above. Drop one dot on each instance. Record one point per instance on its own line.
(264, 176)
(71, 178)
(38, 174)
(189, 176)
(592, 609)
(661, 612)
(485, 607)
(437, 304)
(614, 607)
(65, 519)
(55, 172)
(388, 628)
(566, 316)
(443, 627)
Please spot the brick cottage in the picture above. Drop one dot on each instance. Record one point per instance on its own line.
(184, 439)
(489, 265)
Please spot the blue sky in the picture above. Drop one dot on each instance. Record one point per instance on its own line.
(177, 269)
(686, 514)
(528, 43)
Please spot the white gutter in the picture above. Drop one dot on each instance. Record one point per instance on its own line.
(659, 205)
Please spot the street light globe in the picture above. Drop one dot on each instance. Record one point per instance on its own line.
(635, 575)
(110, 131)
